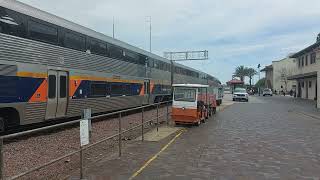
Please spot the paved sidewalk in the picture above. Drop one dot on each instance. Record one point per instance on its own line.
(262, 139)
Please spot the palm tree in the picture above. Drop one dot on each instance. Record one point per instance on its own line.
(250, 73)
(241, 72)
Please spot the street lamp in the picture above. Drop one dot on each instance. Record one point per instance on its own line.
(149, 21)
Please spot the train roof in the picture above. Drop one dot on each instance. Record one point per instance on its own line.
(51, 18)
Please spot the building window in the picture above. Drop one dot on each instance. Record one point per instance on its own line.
(310, 84)
(313, 58)
(307, 60)
(302, 61)
(302, 84)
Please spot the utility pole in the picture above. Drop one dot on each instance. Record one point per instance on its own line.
(150, 24)
(113, 27)
(259, 78)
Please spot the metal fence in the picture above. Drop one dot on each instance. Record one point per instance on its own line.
(82, 148)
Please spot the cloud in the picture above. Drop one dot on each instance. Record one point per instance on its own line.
(235, 32)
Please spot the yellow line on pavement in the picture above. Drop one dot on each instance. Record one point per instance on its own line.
(156, 155)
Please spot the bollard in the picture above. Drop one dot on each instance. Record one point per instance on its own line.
(120, 137)
(142, 125)
(1, 159)
(157, 117)
(81, 163)
(167, 113)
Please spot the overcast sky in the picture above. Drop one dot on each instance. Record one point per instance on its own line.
(246, 32)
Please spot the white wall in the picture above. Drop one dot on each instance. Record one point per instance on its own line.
(288, 65)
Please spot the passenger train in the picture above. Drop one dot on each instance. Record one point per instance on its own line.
(52, 68)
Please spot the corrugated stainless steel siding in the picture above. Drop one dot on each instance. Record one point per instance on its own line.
(22, 50)
(8, 70)
(102, 104)
(34, 112)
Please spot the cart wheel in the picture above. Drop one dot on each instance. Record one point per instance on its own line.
(198, 123)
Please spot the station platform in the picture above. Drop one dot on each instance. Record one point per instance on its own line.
(138, 156)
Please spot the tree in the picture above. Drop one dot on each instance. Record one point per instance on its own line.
(250, 73)
(241, 72)
(261, 83)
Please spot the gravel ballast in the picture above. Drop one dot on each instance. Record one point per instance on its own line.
(22, 155)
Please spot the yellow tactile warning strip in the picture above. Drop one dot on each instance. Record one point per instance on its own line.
(156, 155)
(223, 106)
(154, 135)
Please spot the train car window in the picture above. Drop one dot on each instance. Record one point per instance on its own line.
(8, 86)
(12, 23)
(115, 52)
(74, 41)
(142, 59)
(98, 89)
(52, 86)
(127, 89)
(41, 32)
(150, 62)
(156, 64)
(97, 47)
(63, 86)
(116, 89)
(131, 57)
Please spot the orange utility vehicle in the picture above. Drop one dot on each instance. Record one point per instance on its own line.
(192, 103)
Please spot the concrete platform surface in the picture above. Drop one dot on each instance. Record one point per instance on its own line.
(163, 132)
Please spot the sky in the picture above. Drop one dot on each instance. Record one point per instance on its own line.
(246, 32)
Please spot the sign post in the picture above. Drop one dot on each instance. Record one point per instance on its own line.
(85, 128)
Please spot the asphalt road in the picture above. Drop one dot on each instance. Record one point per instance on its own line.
(266, 138)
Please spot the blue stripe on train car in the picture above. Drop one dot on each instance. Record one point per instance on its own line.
(18, 89)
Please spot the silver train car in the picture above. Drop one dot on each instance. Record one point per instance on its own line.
(52, 68)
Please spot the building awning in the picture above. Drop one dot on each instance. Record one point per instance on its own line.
(235, 81)
(303, 76)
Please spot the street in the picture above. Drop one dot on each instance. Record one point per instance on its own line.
(267, 138)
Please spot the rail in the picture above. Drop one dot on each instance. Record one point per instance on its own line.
(82, 148)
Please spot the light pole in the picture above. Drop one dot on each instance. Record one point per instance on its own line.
(149, 21)
(113, 27)
(259, 77)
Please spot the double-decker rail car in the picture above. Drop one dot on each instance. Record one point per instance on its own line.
(52, 68)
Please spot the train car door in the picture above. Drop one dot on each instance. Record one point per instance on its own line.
(146, 86)
(62, 95)
(57, 94)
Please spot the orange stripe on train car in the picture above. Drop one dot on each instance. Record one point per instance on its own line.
(32, 74)
(40, 95)
(151, 86)
(74, 85)
(142, 91)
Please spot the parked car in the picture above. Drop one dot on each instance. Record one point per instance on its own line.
(240, 94)
(267, 92)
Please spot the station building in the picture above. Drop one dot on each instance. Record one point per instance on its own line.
(307, 72)
(278, 73)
